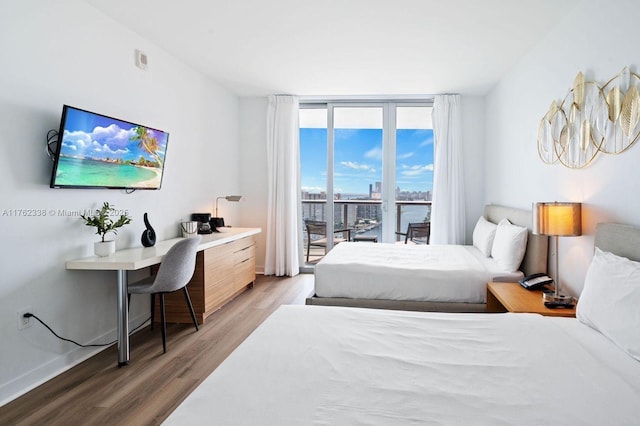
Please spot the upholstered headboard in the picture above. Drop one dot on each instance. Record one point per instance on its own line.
(621, 240)
(535, 258)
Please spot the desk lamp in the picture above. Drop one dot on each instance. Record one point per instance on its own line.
(218, 221)
(557, 220)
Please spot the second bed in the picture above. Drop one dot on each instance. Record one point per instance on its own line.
(450, 278)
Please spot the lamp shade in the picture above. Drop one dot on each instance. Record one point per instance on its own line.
(558, 219)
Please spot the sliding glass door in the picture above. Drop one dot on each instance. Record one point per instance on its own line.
(414, 165)
(366, 170)
(357, 169)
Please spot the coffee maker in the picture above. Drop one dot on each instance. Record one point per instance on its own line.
(204, 222)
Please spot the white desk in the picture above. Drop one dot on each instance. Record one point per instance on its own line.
(141, 257)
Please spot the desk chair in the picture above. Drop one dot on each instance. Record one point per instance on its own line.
(315, 227)
(174, 274)
(417, 233)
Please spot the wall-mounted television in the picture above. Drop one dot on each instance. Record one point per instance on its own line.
(97, 151)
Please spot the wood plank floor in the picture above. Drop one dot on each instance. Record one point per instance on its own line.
(146, 391)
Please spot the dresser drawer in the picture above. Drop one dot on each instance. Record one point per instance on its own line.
(222, 272)
(244, 273)
(244, 254)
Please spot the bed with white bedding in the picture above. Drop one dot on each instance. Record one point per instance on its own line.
(424, 277)
(321, 365)
(438, 273)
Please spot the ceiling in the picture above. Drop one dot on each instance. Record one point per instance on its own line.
(344, 47)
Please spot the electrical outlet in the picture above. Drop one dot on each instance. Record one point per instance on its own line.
(22, 321)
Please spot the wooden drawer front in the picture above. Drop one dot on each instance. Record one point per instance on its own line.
(222, 272)
(244, 273)
(218, 279)
(241, 244)
(245, 254)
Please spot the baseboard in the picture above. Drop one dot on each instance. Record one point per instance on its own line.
(58, 365)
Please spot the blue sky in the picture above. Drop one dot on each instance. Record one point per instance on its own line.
(358, 159)
(94, 136)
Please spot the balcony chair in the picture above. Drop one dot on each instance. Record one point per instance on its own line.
(315, 227)
(417, 233)
(174, 274)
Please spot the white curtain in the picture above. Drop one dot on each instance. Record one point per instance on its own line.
(283, 187)
(448, 207)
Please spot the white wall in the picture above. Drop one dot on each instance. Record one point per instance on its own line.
(598, 38)
(253, 178)
(68, 52)
(473, 132)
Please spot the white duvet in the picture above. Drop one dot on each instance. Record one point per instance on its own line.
(318, 365)
(437, 273)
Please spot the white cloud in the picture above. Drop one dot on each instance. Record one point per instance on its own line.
(416, 170)
(405, 156)
(113, 133)
(111, 139)
(357, 166)
(426, 142)
(106, 148)
(374, 153)
(78, 138)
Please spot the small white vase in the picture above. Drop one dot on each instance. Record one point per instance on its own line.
(104, 249)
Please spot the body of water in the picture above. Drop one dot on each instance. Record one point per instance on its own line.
(410, 214)
(87, 172)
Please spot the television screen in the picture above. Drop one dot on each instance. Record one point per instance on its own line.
(96, 151)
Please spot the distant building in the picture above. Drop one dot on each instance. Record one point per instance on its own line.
(376, 193)
(314, 211)
(413, 195)
(348, 215)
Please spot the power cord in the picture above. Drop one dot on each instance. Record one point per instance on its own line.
(30, 315)
(52, 138)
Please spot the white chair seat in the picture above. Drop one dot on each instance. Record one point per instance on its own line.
(144, 286)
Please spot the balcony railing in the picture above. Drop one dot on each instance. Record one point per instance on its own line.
(362, 216)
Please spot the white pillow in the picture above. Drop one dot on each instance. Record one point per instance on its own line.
(509, 245)
(610, 300)
(483, 235)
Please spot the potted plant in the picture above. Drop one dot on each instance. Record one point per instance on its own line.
(104, 224)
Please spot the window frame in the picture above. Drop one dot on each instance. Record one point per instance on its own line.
(389, 107)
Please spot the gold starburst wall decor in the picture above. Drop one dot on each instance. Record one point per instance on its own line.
(591, 119)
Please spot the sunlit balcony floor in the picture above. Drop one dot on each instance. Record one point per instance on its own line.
(315, 254)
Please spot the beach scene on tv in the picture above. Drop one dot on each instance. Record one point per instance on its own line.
(99, 151)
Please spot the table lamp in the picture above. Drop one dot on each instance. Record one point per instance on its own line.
(557, 220)
(218, 221)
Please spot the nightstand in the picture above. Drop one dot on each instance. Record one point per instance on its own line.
(512, 297)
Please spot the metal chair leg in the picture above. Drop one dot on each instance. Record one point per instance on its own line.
(164, 324)
(193, 314)
(153, 308)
